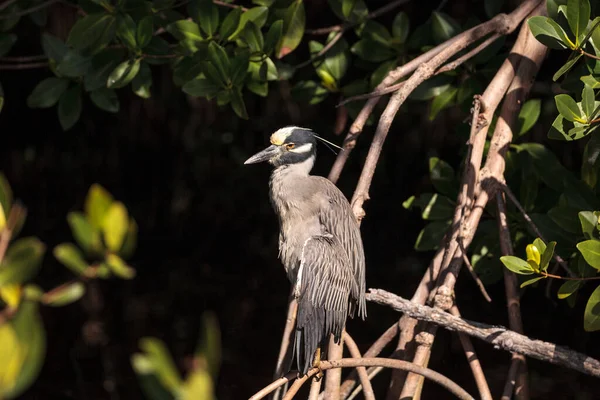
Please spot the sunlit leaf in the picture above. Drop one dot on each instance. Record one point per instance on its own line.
(127, 30)
(430, 237)
(578, 16)
(531, 281)
(444, 27)
(548, 32)
(517, 265)
(70, 256)
(568, 288)
(115, 225)
(590, 250)
(22, 261)
(123, 74)
(528, 116)
(119, 267)
(162, 363)
(64, 294)
(591, 316)
(293, 28)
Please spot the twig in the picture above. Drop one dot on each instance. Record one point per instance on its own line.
(362, 372)
(229, 5)
(473, 360)
(513, 303)
(380, 362)
(16, 67)
(501, 337)
(478, 281)
(26, 11)
(534, 227)
(372, 373)
(588, 54)
(290, 376)
(21, 59)
(321, 52)
(286, 342)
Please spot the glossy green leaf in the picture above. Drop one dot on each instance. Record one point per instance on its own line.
(431, 236)
(97, 203)
(548, 32)
(372, 51)
(590, 250)
(376, 32)
(442, 176)
(74, 65)
(85, 234)
(431, 88)
(588, 221)
(565, 217)
(258, 15)
(103, 64)
(588, 100)
(219, 59)
(444, 27)
(517, 265)
(161, 362)
(528, 116)
(119, 267)
(201, 87)
(54, 48)
(7, 40)
(69, 107)
(547, 255)
(22, 261)
(578, 16)
(230, 23)
(552, 7)
(115, 225)
(142, 82)
(127, 30)
(64, 294)
(591, 81)
(105, 99)
(123, 74)
(435, 207)
(400, 27)
(531, 281)
(293, 28)
(253, 37)
(444, 100)
(206, 14)
(258, 88)
(239, 67)
(92, 33)
(144, 31)
(562, 129)
(185, 30)
(273, 36)
(591, 316)
(567, 107)
(69, 255)
(237, 103)
(568, 288)
(47, 92)
(573, 58)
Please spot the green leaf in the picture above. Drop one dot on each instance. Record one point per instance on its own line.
(590, 250)
(92, 33)
(309, 91)
(591, 80)
(565, 217)
(103, 64)
(185, 30)
(347, 7)
(151, 386)
(573, 58)
(259, 88)
(517, 265)
(54, 48)
(444, 100)
(162, 363)
(230, 23)
(69, 107)
(198, 385)
(7, 40)
(372, 51)
(6, 195)
(209, 347)
(578, 15)
(588, 221)
(85, 234)
(22, 261)
(97, 203)
(115, 226)
(590, 164)
(142, 82)
(207, 15)
(548, 32)
(237, 103)
(201, 87)
(567, 107)
(442, 176)
(400, 27)
(157, 47)
(119, 267)
(144, 32)
(528, 116)
(105, 99)
(126, 30)
(591, 316)
(239, 67)
(437, 207)
(431, 88)
(74, 65)
(540, 245)
(293, 28)
(130, 242)
(431, 236)
(218, 58)
(273, 36)
(547, 255)
(253, 37)
(47, 92)
(588, 100)
(64, 294)
(258, 15)
(376, 32)
(123, 74)
(568, 288)
(444, 27)
(69, 255)
(531, 281)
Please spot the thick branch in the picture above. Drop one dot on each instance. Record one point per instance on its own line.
(498, 336)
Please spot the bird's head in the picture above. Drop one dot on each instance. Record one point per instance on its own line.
(289, 145)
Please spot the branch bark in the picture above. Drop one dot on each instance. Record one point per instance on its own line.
(501, 337)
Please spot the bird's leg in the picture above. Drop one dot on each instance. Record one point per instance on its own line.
(317, 363)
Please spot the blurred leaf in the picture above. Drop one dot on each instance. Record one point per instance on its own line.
(517, 265)
(105, 99)
(578, 16)
(130, 242)
(162, 363)
(69, 255)
(442, 176)
(230, 23)
(237, 103)
(573, 58)
(347, 7)
(97, 203)
(144, 31)
(591, 316)
(22, 261)
(11, 295)
(115, 225)
(431, 88)
(431, 236)
(200, 88)
(142, 82)
(293, 28)
(380, 73)
(370, 50)
(309, 91)
(400, 27)
(568, 288)
(588, 221)
(198, 385)
(591, 161)
(6, 195)
(7, 40)
(444, 27)
(69, 107)
(492, 7)
(209, 347)
(437, 207)
(92, 33)
(64, 294)
(85, 234)
(567, 107)
(54, 48)
(444, 100)
(47, 92)
(151, 386)
(123, 74)
(531, 281)
(548, 32)
(528, 116)
(590, 250)
(273, 36)
(206, 14)
(566, 218)
(119, 267)
(73, 65)
(376, 32)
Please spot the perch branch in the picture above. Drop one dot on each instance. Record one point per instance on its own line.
(333, 378)
(290, 376)
(362, 371)
(501, 337)
(478, 281)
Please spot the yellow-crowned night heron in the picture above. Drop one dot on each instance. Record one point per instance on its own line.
(319, 242)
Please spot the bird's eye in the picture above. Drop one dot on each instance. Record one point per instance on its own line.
(290, 146)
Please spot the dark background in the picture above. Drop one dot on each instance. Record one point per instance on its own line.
(208, 236)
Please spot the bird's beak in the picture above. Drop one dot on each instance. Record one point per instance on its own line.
(265, 155)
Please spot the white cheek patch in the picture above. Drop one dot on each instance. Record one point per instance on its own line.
(305, 148)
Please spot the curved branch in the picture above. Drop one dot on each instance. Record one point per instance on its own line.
(362, 371)
(290, 376)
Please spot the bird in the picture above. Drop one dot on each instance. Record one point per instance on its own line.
(320, 244)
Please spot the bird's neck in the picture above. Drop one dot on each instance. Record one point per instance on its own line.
(298, 169)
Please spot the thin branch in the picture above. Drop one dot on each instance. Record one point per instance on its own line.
(229, 5)
(28, 10)
(23, 59)
(535, 229)
(16, 67)
(478, 281)
(588, 54)
(285, 353)
(362, 372)
(513, 301)
(321, 52)
(436, 377)
(290, 376)
(501, 337)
